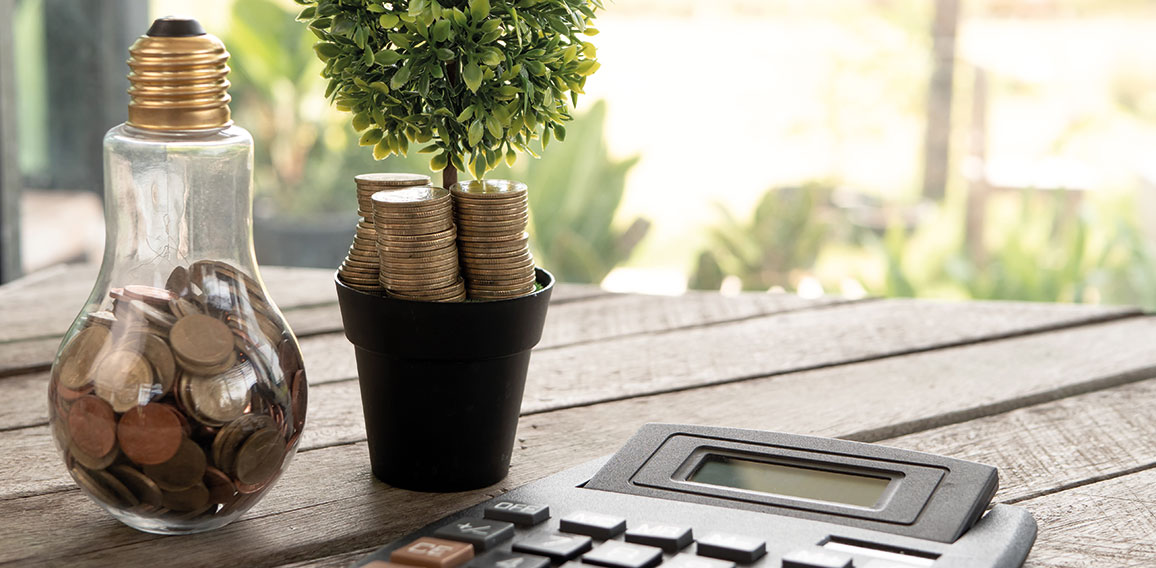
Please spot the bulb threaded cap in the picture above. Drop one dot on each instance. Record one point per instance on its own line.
(177, 76)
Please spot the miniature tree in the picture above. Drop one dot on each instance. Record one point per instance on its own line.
(475, 81)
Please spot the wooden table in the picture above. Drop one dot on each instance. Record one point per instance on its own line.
(1060, 397)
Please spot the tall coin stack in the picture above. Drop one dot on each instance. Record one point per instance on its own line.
(415, 244)
(492, 240)
(360, 268)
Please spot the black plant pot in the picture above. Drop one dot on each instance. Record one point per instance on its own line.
(441, 383)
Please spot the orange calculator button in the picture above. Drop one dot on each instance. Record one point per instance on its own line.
(433, 553)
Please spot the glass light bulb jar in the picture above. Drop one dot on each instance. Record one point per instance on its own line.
(178, 395)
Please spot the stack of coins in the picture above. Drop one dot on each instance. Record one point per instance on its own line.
(181, 401)
(415, 244)
(360, 268)
(495, 256)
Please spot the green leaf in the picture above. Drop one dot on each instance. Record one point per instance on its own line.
(360, 35)
(493, 126)
(361, 121)
(381, 150)
(458, 17)
(442, 31)
(370, 137)
(388, 21)
(445, 54)
(401, 40)
(479, 10)
(387, 57)
(380, 87)
(477, 129)
(306, 14)
(400, 78)
(428, 149)
(545, 137)
(472, 75)
(492, 57)
(466, 114)
(326, 50)
(560, 132)
(439, 162)
(588, 67)
(511, 157)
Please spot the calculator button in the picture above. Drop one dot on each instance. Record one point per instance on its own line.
(558, 547)
(601, 527)
(503, 559)
(617, 554)
(816, 559)
(692, 561)
(670, 538)
(433, 553)
(483, 534)
(733, 547)
(524, 514)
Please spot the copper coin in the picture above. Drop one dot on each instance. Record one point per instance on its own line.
(201, 340)
(144, 489)
(155, 297)
(418, 196)
(260, 456)
(192, 498)
(183, 470)
(125, 498)
(232, 435)
(90, 485)
(103, 318)
(92, 426)
(125, 379)
(178, 281)
(150, 434)
(221, 488)
(182, 307)
(80, 356)
(221, 398)
(90, 461)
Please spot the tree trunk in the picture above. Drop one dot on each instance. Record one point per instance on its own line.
(937, 136)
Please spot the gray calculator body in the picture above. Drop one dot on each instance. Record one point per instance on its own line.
(806, 501)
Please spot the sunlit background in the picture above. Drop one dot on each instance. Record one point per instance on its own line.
(932, 148)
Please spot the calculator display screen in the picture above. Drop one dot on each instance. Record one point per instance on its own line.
(791, 481)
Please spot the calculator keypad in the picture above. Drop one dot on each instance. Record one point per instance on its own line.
(733, 547)
(670, 538)
(429, 552)
(523, 514)
(503, 559)
(482, 533)
(615, 554)
(558, 547)
(816, 559)
(597, 525)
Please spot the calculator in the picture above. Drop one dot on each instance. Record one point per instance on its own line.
(684, 496)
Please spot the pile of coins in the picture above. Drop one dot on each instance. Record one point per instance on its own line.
(180, 402)
(493, 244)
(360, 268)
(418, 259)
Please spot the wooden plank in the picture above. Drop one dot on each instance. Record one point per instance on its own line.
(969, 382)
(570, 322)
(1110, 523)
(688, 355)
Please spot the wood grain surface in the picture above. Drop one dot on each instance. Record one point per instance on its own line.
(1059, 397)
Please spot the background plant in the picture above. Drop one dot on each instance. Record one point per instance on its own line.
(577, 189)
(477, 81)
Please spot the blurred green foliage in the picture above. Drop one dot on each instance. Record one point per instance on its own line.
(305, 156)
(783, 237)
(1036, 246)
(575, 191)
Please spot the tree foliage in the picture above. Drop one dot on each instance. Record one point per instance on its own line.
(475, 81)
